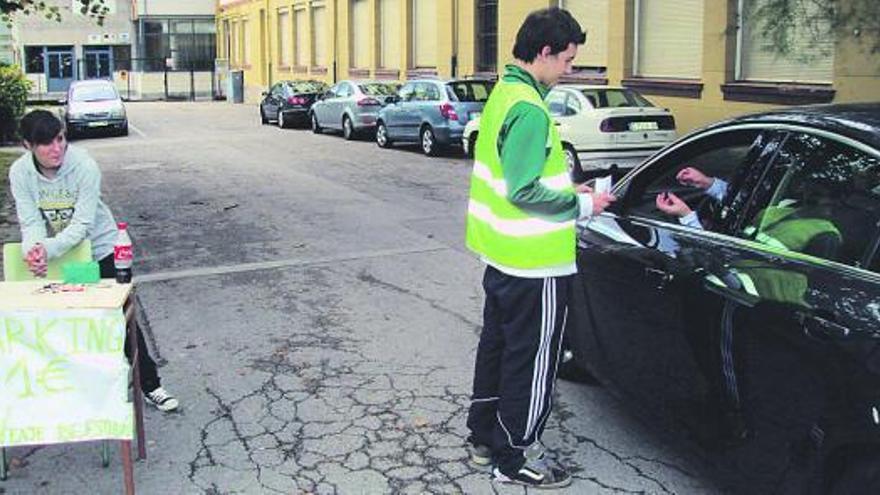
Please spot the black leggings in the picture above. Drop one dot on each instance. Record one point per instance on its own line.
(149, 374)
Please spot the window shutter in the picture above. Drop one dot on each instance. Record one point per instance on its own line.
(389, 20)
(360, 33)
(284, 33)
(424, 33)
(302, 39)
(670, 38)
(319, 36)
(592, 15)
(811, 60)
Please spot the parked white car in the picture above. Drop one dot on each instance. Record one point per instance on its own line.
(601, 126)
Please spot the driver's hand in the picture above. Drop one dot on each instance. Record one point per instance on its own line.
(690, 176)
(671, 204)
(37, 260)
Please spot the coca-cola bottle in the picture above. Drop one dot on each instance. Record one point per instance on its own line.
(122, 254)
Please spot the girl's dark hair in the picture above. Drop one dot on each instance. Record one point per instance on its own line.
(553, 27)
(40, 127)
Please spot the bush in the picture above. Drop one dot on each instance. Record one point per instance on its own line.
(14, 89)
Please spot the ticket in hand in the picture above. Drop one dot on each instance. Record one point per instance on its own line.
(602, 184)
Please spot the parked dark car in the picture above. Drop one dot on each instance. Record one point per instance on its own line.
(288, 102)
(431, 112)
(756, 335)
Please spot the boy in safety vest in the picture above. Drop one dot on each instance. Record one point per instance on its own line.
(521, 222)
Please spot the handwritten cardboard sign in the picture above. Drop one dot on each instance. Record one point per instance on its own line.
(63, 376)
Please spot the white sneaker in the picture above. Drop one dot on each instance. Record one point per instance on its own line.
(160, 398)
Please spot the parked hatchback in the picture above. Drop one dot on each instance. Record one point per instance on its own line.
(752, 327)
(288, 102)
(351, 106)
(94, 105)
(432, 113)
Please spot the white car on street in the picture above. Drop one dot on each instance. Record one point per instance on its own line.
(601, 126)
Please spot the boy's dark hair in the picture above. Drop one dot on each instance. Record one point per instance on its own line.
(40, 127)
(553, 27)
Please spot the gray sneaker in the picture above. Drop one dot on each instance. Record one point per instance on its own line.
(536, 473)
(160, 398)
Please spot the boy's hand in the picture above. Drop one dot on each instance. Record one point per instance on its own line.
(601, 201)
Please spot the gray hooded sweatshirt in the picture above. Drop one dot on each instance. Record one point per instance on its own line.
(59, 213)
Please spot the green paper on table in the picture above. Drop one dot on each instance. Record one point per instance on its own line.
(81, 272)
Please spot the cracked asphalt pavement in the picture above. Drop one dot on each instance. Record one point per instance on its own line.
(312, 305)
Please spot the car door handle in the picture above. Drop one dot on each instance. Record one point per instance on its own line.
(660, 278)
(823, 328)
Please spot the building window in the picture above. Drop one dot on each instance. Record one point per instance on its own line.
(178, 44)
(245, 43)
(234, 57)
(389, 34)
(592, 15)
(669, 39)
(487, 35)
(284, 38)
(33, 60)
(424, 34)
(300, 21)
(319, 35)
(360, 33)
(812, 55)
(121, 57)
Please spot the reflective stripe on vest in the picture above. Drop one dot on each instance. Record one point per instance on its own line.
(497, 229)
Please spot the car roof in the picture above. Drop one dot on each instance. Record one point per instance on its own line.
(579, 87)
(859, 121)
(92, 82)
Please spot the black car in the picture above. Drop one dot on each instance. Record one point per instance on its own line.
(754, 333)
(288, 102)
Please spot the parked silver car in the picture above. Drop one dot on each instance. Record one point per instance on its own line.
(94, 105)
(351, 106)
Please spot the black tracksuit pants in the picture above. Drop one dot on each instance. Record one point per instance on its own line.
(149, 374)
(517, 357)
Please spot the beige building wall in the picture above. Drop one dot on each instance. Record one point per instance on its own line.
(713, 94)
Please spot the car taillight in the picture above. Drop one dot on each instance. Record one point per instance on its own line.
(448, 112)
(368, 102)
(296, 100)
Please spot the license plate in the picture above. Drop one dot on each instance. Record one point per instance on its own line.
(99, 123)
(643, 126)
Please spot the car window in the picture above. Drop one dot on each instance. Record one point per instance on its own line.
(308, 87)
(823, 199)
(726, 155)
(345, 90)
(427, 92)
(407, 92)
(278, 90)
(94, 92)
(572, 105)
(556, 102)
(605, 98)
(378, 89)
(469, 91)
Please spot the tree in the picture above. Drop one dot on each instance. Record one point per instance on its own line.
(92, 8)
(782, 23)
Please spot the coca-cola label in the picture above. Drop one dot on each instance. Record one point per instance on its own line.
(122, 253)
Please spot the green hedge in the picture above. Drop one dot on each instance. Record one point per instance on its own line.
(14, 89)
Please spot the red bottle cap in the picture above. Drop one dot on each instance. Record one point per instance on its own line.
(122, 225)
